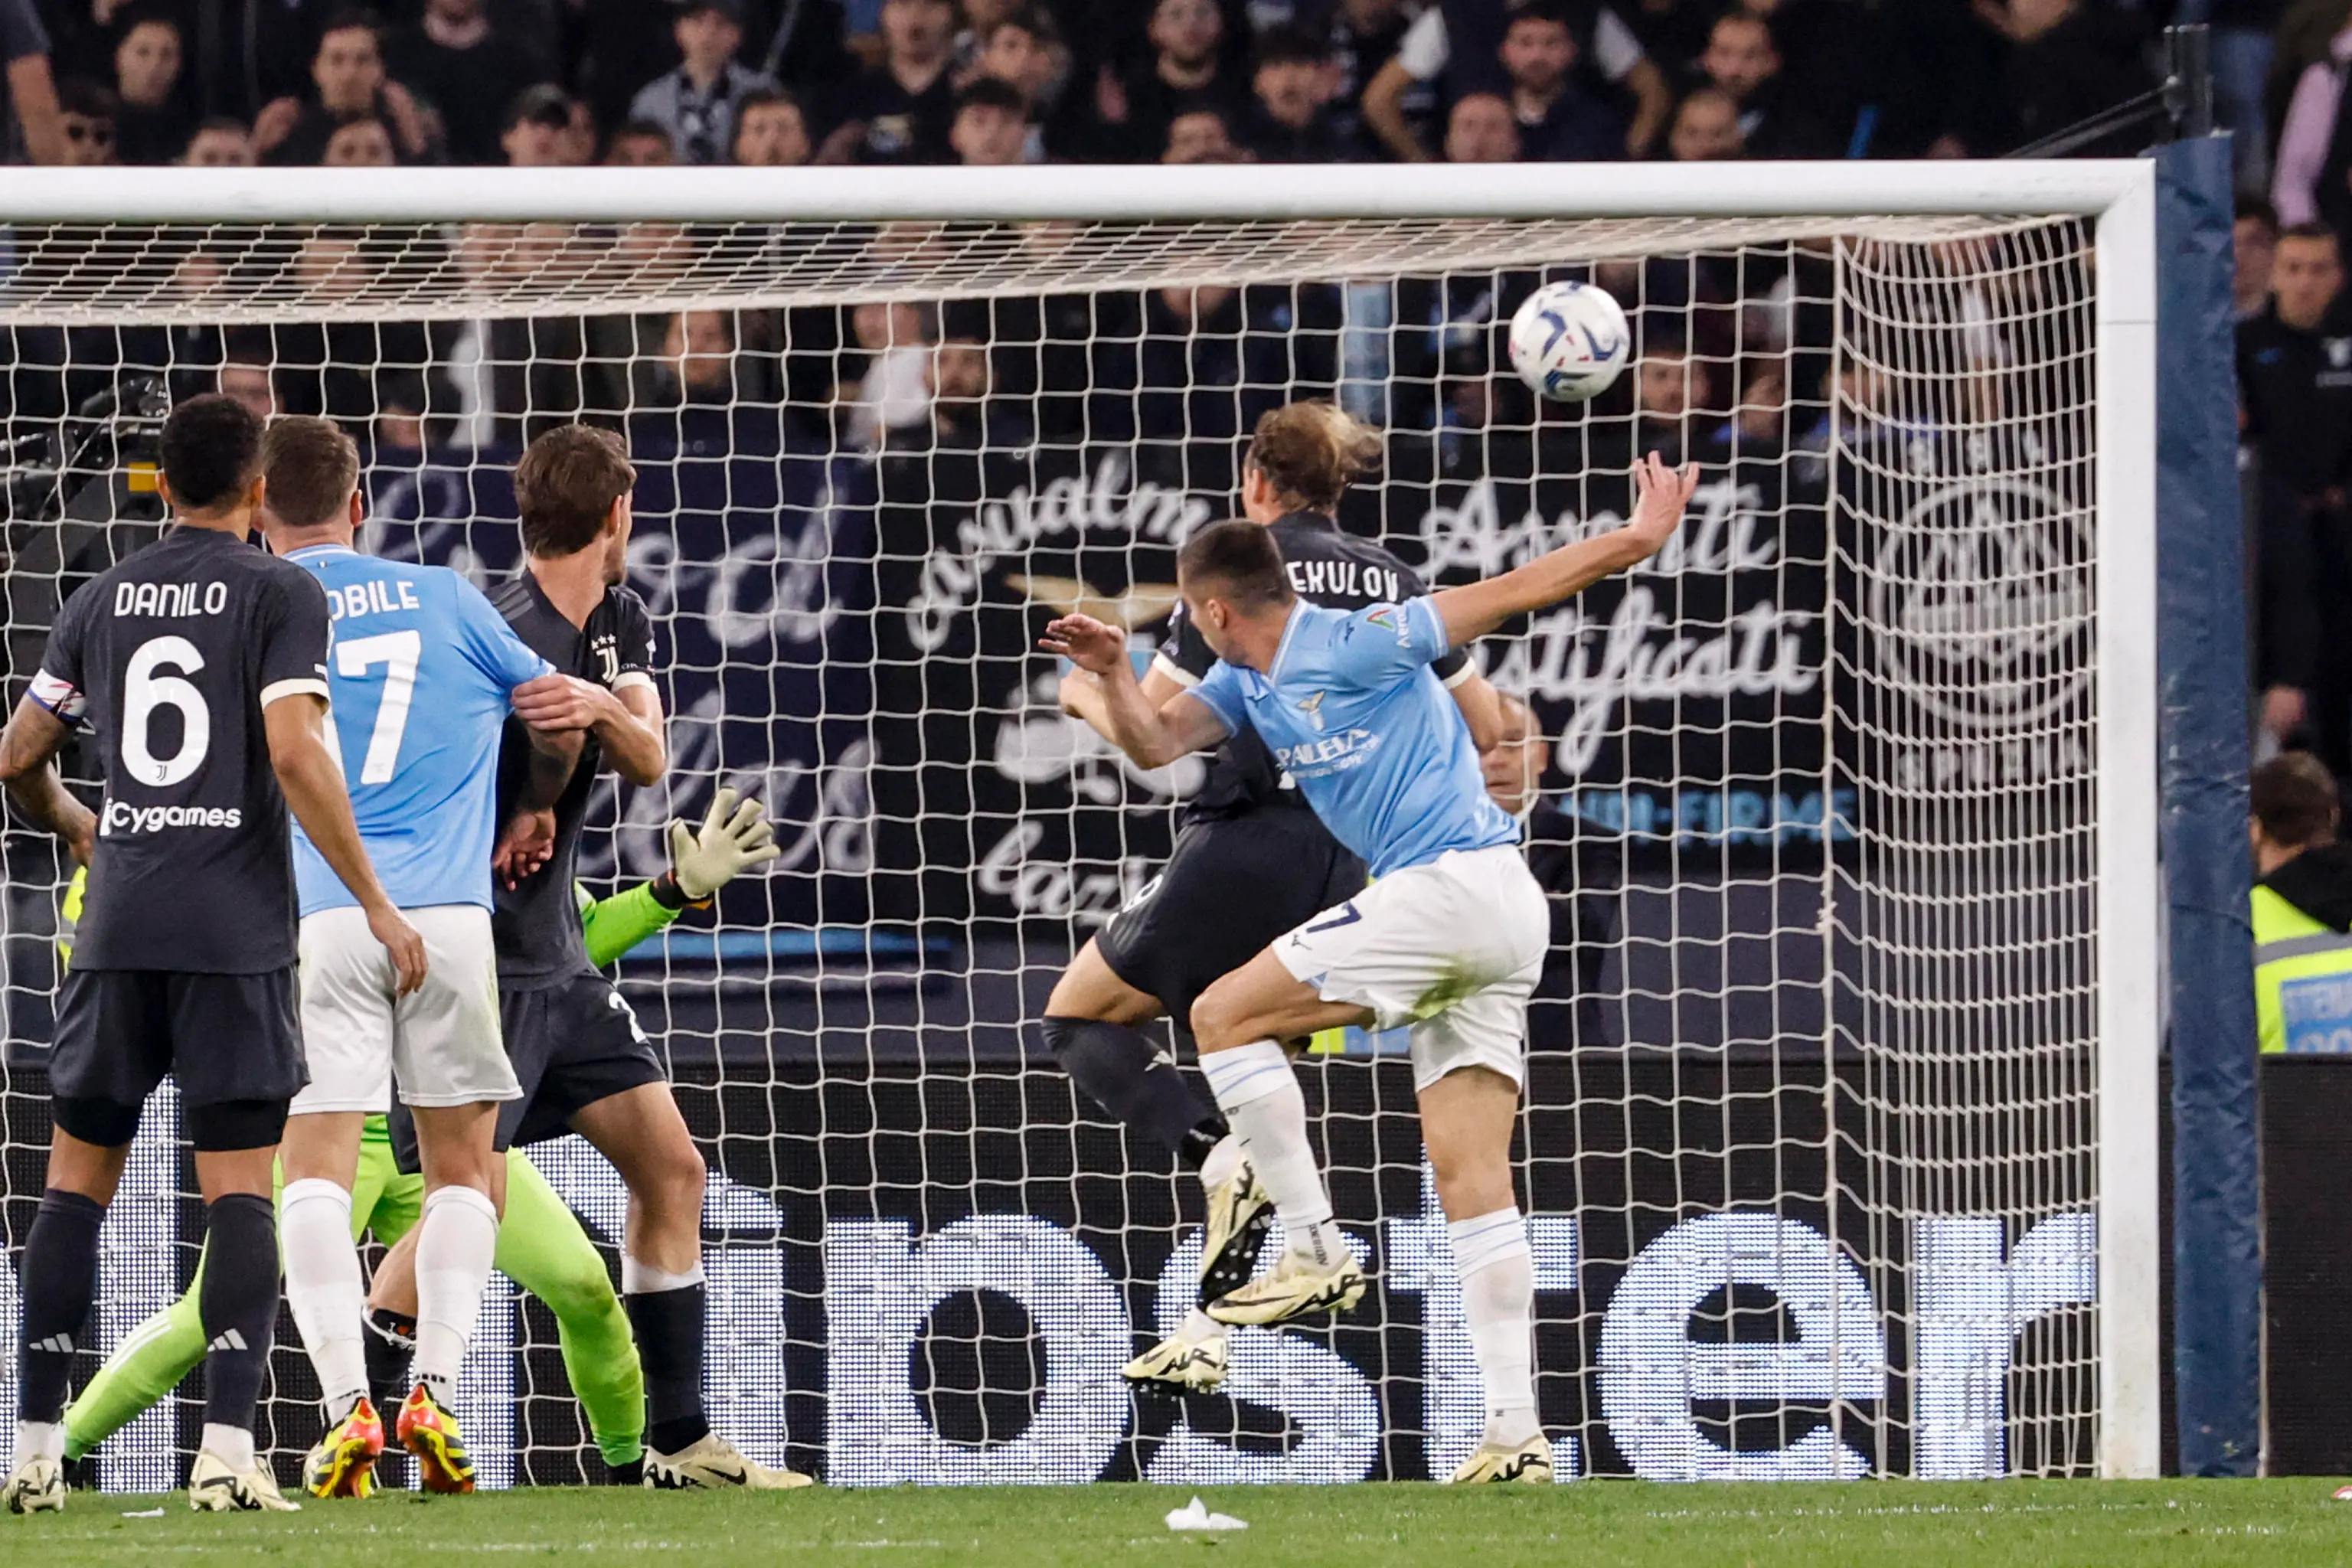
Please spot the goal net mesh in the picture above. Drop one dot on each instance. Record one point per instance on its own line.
(1808, 1145)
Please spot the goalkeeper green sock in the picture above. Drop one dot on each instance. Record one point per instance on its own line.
(543, 1249)
(151, 1362)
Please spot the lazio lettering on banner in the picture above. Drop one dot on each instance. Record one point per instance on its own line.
(755, 562)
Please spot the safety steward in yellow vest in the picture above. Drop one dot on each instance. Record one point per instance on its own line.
(2303, 910)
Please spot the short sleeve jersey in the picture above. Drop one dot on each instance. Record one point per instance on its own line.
(536, 927)
(1329, 567)
(169, 657)
(1354, 713)
(420, 677)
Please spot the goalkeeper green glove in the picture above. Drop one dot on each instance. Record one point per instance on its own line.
(733, 839)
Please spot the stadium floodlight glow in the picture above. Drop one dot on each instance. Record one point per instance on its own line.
(1870, 1028)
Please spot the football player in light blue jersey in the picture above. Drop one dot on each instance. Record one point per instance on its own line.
(1449, 940)
(420, 677)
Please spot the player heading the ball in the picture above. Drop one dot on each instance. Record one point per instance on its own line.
(1449, 940)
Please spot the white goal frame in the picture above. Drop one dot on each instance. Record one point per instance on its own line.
(2119, 195)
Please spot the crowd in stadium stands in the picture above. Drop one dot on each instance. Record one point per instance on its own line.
(778, 82)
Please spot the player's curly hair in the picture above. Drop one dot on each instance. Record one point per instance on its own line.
(211, 448)
(1311, 452)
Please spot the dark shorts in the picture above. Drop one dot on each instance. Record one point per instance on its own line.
(573, 1043)
(228, 1040)
(1230, 888)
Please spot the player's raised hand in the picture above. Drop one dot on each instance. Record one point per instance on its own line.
(1660, 494)
(400, 938)
(733, 839)
(1087, 642)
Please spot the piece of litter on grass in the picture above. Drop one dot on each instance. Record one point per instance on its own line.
(1196, 1515)
(143, 1513)
(2344, 1494)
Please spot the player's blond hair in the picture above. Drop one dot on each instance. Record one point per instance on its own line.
(1311, 452)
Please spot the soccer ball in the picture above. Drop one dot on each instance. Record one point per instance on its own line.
(1570, 340)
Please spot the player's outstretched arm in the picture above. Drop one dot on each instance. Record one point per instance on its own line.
(628, 722)
(733, 839)
(554, 754)
(1154, 735)
(1470, 612)
(312, 782)
(28, 749)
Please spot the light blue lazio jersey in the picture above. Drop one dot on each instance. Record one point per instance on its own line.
(1355, 715)
(418, 676)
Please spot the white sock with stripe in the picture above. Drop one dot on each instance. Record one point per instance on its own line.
(1258, 1092)
(1498, 1299)
(324, 1287)
(456, 1241)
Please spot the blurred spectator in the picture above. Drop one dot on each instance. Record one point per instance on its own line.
(1201, 135)
(2254, 235)
(640, 144)
(219, 143)
(900, 110)
(894, 394)
(2310, 184)
(1480, 128)
(1707, 127)
(1291, 84)
(28, 104)
(966, 416)
(1557, 123)
(361, 141)
(991, 124)
(1363, 36)
(771, 131)
(347, 77)
(1186, 71)
(576, 148)
(1602, 41)
(697, 355)
(1027, 49)
(85, 116)
(696, 104)
(153, 122)
(537, 134)
(466, 69)
(2067, 61)
(2294, 367)
(1743, 62)
(245, 376)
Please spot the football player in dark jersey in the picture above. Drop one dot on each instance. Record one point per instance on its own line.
(200, 664)
(1249, 862)
(584, 1063)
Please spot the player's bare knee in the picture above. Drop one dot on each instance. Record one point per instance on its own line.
(1215, 1021)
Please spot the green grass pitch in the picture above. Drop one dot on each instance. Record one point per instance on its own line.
(2041, 1524)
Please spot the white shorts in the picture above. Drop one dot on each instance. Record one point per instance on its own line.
(441, 1042)
(1452, 949)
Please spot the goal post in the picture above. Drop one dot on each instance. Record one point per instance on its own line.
(1836, 1069)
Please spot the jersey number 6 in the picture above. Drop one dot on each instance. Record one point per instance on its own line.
(153, 680)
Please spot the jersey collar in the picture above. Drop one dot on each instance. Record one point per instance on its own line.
(321, 551)
(1289, 629)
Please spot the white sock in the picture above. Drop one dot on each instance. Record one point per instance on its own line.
(40, 1440)
(1222, 1163)
(644, 1279)
(1499, 1298)
(456, 1241)
(1199, 1328)
(1259, 1095)
(232, 1446)
(324, 1288)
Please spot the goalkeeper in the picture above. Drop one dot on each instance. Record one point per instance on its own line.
(542, 1247)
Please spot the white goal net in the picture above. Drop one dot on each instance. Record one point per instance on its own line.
(1833, 1124)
